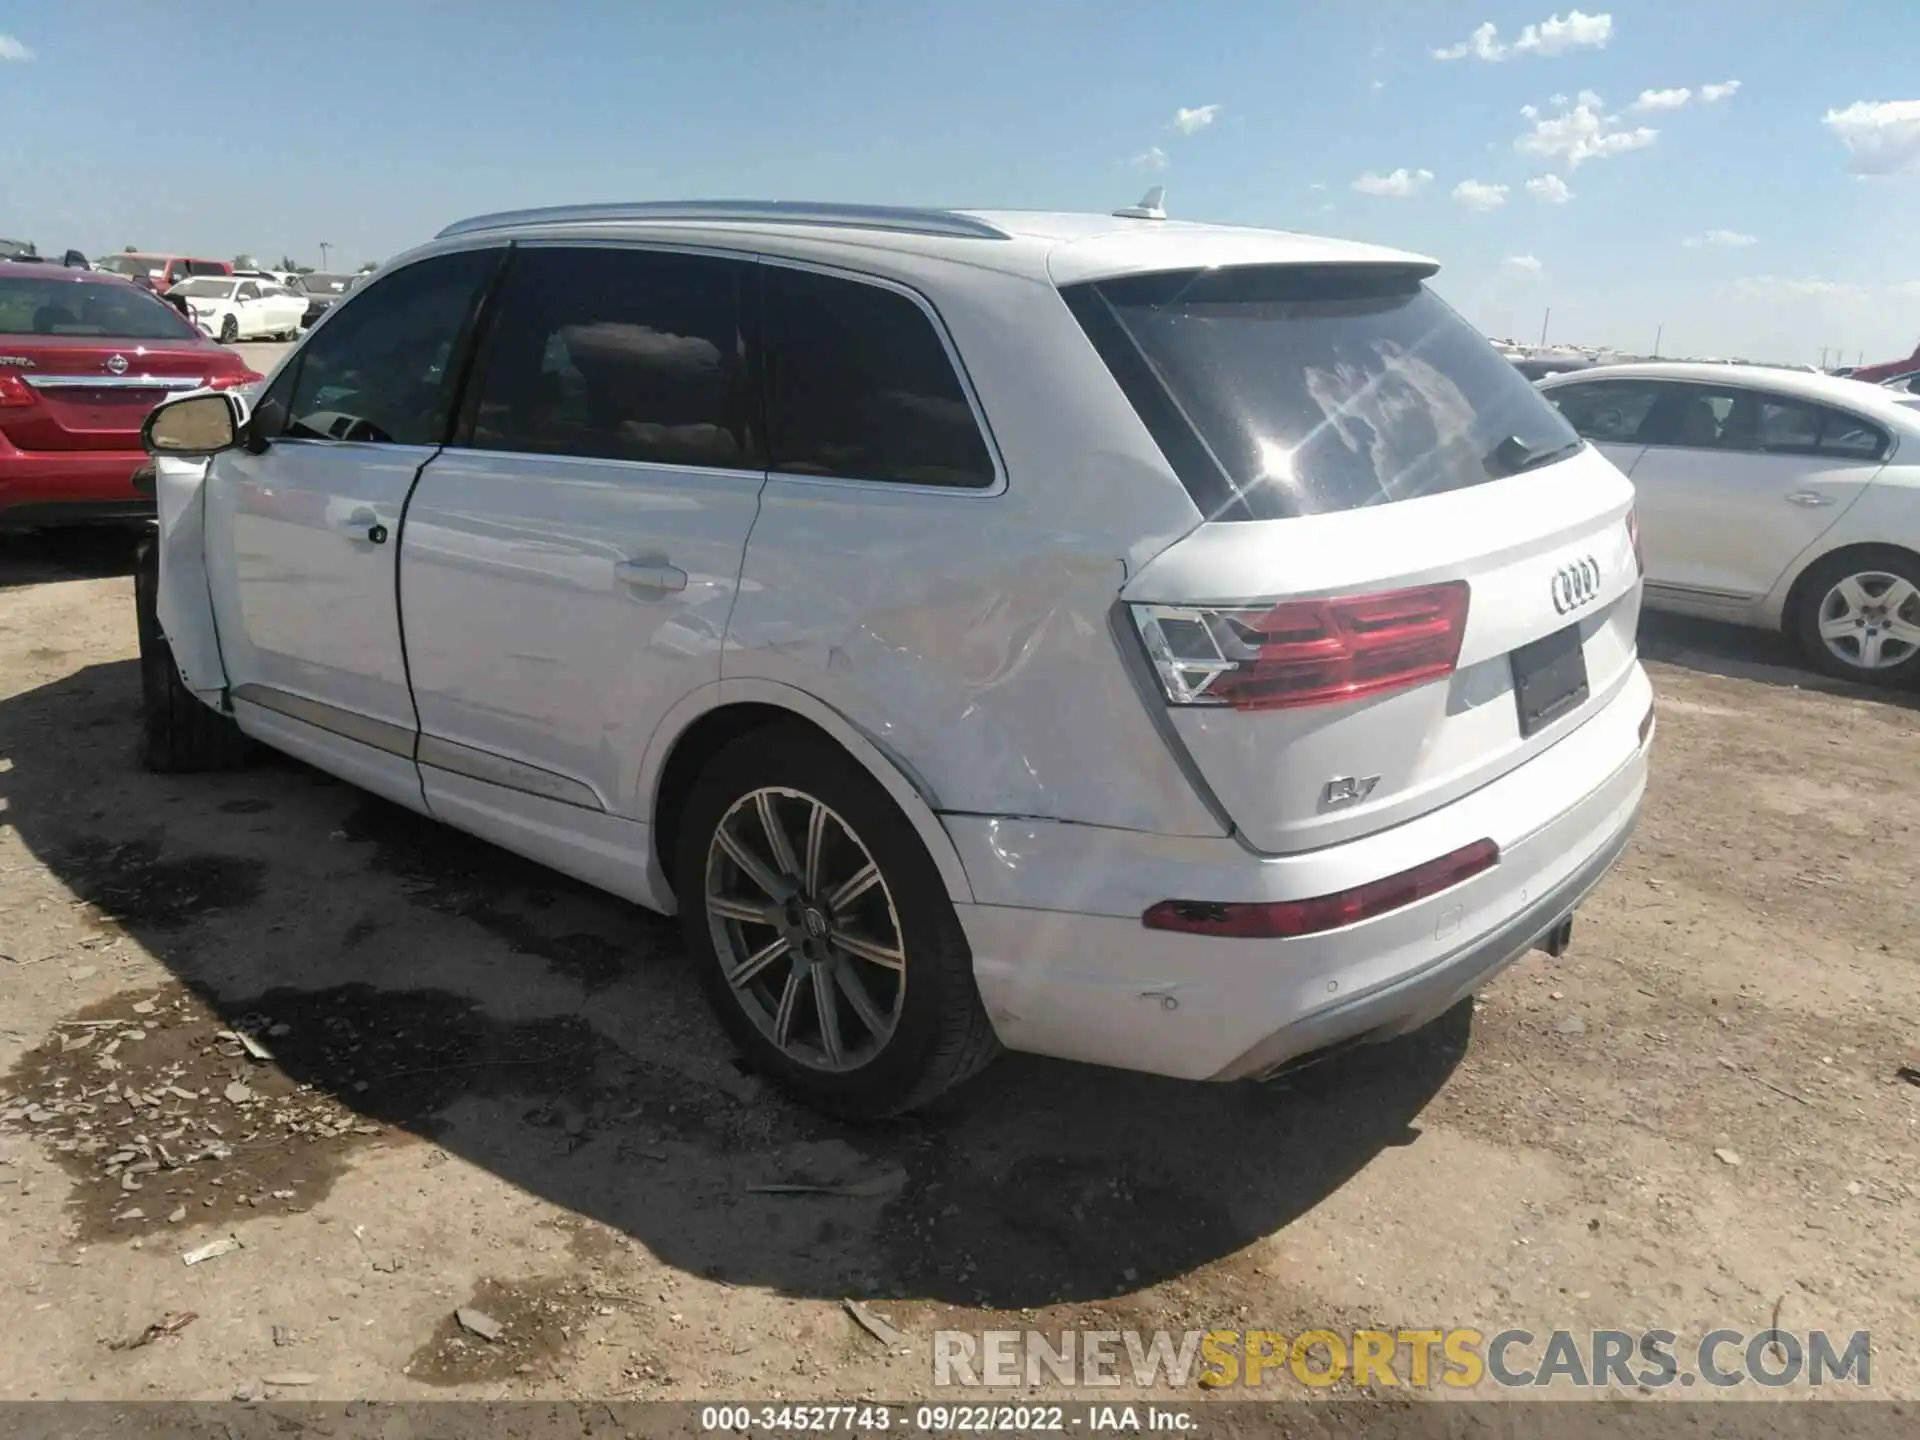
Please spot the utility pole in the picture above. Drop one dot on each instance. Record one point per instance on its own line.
(1658, 332)
(324, 247)
(1543, 326)
(1823, 357)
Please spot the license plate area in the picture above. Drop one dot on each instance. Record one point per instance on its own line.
(1549, 678)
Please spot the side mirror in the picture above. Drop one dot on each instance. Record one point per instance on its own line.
(195, 426)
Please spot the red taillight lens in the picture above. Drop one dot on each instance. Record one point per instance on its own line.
(1288, 919)
(1633, 536)
(1305, 652)
(15, 393)
(228, 382)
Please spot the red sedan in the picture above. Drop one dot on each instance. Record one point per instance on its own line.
(84, 357)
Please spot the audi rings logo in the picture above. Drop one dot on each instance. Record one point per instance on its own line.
(1576, 584)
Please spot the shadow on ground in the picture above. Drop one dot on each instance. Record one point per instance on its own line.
(414, 978)
(1709, 647)
(37, 557)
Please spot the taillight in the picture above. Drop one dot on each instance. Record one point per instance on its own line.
(228, 382)
(1633, 536)
(1288, 919)
(15, 393)
(1305, 652)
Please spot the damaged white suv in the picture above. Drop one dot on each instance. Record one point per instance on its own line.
(1172, 646)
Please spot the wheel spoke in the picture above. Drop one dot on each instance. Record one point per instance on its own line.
(783, 1017)
(751, 967)
(829, 1015)
(777, 840)
(855, 989)
(1841, 627)
(751, 865)
(874, 953)
(1870, 649)
(1853, 593)
(816, 842)
(747, 912)
(863, 880)
(1897, 594)
(1903, 631)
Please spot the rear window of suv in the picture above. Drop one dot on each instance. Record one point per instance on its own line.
(1278, 391)
(81, 307)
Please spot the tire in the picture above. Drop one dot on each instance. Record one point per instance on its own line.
(936, 1031)
(229, 330)
(1879, 574)
(179, 734)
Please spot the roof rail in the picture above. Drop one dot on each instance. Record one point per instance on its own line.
(784, 212)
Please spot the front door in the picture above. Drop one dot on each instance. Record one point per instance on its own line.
(569, 565)
(303, 526)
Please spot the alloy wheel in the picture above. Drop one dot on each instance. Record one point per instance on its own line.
(1871, 621)
(805, 928)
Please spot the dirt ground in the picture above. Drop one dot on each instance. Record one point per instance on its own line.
(408, 1073)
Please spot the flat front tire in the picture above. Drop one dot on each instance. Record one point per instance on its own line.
(822, 931)
(178, 733)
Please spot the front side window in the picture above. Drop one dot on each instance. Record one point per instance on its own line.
(1283, 390)
(249, 291)
(1605, 411)
(859, 386)
(1693, 417)
(380, 370)
(620, 355)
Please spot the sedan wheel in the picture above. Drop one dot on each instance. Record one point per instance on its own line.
(1857, 615)
(229, 330)
(806, 929)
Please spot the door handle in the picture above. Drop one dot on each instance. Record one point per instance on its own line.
(364, 524)
(651, 575)
(1809, 499)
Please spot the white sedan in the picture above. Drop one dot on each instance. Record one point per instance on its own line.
(237, 309)
(1771, 498)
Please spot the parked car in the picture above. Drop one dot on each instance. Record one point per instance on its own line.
(234, 309)
(160, 273)
(282, 278)
(1906, 384)
(1770, 498)
(23, 252)
(83, 358)
(321, 292)
(1538, 367)
(1178, 647)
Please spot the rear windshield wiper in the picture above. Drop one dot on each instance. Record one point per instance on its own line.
(1513, 456)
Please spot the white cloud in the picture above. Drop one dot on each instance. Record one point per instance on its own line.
(12, 49)
(1552, 36)
(1192, 122)
(1526, 264)
(1151, 158)
(1711, 94)
(1396, 184)
(1317, 185)
(1550, 188)
(1725, 239)
(1582, 133)
(1479, 195)
(1529, 112)
(1909, 288)
(1662, 99)
(1558, 99)
(1882, 137)
(1782, 287)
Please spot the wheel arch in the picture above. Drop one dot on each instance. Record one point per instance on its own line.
(1794, 590)
(713, 716)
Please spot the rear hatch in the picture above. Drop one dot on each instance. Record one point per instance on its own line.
(1414, 576)
(83, 362)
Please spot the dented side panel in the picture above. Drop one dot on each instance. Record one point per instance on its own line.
(184, 602)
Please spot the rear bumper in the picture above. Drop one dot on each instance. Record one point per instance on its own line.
(39, 488)
(1079, 976)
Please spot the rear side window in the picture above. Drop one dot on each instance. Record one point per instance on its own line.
(859, 386)
(1609, 411)
(1852, 438)
(620, 355)
(1296, 390)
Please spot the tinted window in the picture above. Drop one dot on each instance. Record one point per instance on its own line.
(55, 306)
(1608, 411)
(1690, 417)
(1855, 439)
(381, 369)
(859, 386)
(249, 291)
(1289, 390)
(201, 267)
(619, 355)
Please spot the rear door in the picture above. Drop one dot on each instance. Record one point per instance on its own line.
(569, 565)
(302, 528)
(1414, 575)
(1735, 483)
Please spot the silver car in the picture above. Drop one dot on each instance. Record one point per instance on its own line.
(1179, 647)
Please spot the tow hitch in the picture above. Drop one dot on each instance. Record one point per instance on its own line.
(1556, 941)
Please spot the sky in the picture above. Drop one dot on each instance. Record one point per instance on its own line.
(1738, 177)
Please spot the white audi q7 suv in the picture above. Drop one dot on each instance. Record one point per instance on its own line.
(1180, 647)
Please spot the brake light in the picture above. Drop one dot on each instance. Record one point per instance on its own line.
(1633, 537)
(1305, 652)
(15, 393)
(228, 382)
(1288, 919)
